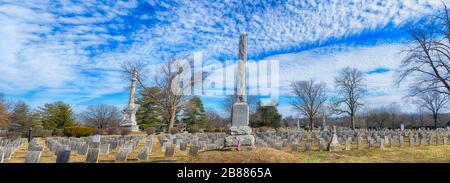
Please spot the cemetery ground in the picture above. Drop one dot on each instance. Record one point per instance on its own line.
(417, 154)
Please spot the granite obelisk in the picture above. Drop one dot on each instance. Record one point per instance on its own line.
(240, 134)
(129, 113)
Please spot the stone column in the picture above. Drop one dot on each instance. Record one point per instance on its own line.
(241, 70)
(129, 113)
(239, 132)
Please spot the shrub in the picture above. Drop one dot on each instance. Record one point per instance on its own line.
(46, 133)
(78, 131)
(193, 129)
(174, 131)
(13, 135)
(58, 132)
(150, 131)
(3, 133)
(124, 131)
(98, 131)
(112, 131)
(211, 129)
(263, 129)
(218, 130)
(411, 126)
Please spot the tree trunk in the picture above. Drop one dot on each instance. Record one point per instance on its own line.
(352, 121)
(171, 120)
(435, 121)
(311, 121)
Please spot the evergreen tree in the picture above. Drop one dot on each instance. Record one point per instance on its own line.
(194, 113)
(56, 115)
(149, 112)
(20, 118)
(266, 116)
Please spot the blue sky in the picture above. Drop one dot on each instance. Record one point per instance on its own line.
(71, 50)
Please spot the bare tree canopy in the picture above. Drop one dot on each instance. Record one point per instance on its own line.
(310, 98)
(427, 59)
(128, 69)
(350, 90)
(434, 102)
(102, 116)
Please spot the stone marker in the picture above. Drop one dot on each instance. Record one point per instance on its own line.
(193, 151)
(278, 145)
(370, 142)
(149, 144)
(400, 141)
(82, 149)
(411, 141)
(113, 144)
(321, 144)
(348, 143)
(122, 155)
(308, 146)
(143, 154)
(170, 150)
(390, 140)
(8, 151)
(183, 146)
(431, 139)
(438, 139)
(92, 155)
(94, 145)
(33, 156)
(104, 148)
(295, 147)
(96, 138)
(359, 143)
(382, 143)
(2, 155)
(334, 143)
(63, 156)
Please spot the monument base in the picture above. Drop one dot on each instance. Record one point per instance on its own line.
(132, 128)
(240, 130)
(244, 141)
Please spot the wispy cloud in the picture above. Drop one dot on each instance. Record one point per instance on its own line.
(71, 50)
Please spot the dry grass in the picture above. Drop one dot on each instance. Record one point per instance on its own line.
(432, 154)
(260, 155)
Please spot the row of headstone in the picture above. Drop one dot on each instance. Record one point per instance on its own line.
(9, 147)
(375, 139)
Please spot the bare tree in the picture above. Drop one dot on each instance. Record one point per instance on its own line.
(394, 111)
(310, 98)
(427, 59)
(214, 120)
(350, 89)
(434, 102)
(4, 116)
(102, 116)
(379, 117)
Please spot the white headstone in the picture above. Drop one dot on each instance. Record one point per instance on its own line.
(96, 138)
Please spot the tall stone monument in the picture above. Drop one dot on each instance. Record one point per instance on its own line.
(129, 113)
(240, 134)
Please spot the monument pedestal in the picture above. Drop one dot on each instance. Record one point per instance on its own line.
(334, 143)
(240, 134)
(129, 120)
